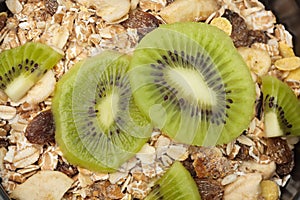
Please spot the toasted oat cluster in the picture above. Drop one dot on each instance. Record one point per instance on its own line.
(246, 168)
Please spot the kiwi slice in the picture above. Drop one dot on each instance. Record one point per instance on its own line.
(281, 108)
(23, 66)
(97, 123)
(191, 82)
(176, 184)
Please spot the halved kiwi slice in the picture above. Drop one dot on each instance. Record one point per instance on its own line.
(97, 124)
(176, 184)
(281, 108)
(23, 66)
(191, 82)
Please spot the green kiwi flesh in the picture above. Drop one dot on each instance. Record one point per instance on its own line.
(23, 66)
(176, 184)
(281, 108)
(97, 124)
(191, 82)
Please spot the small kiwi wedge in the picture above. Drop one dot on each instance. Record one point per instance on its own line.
(191, 82)
(281, 108)
(97, 123)
(176, 184)
(23, 66)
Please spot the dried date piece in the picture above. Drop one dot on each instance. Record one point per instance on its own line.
(211, 165)
(281, 154)
(240, 35)
(209, 189)
(41, 129)
(144, 22)
(285, 169)
(51, 6)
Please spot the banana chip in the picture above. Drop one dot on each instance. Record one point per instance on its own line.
(223, 24)
(44, 185)
(285, 50)
(287, 64)
(258, 60)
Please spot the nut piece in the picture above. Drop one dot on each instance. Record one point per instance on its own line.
(190, 10)
(144, 22)
(245, 187)
(109, 10)
(266, 170)
(257, 60)
(269, 190)
(43, 186)
(287, 64)
(223, 24)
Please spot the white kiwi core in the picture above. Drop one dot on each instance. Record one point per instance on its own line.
(272, 126)
(107, 110)
(191, 85)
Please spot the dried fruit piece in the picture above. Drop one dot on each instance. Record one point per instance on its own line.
(240, 35)
(41, 129)
(257, 60)
(51, 6)
(209, 189)
(287, 64)
(279, 151)
(44, 185)
(269, 190)
(223, 24)
(144, 22)
(188, 10)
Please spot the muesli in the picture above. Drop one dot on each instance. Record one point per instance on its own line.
(250, 167)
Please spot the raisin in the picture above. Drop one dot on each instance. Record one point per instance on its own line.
(144, 22)
(51, 6)
(257, 36)
(285, 169)
(41, 129)
(209, 189)
(279, 151)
